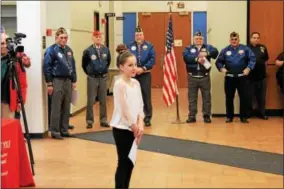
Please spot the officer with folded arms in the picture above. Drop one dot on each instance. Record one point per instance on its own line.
(236, 61)
(95, 63)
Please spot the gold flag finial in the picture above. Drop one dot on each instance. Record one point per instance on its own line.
(170, 4)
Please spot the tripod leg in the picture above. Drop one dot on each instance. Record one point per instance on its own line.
(27, 133)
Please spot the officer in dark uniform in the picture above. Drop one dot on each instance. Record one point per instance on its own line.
(95, 63)
(195, 57)
(257, 77)
(146, 57)
(61, 77)
(280, 73)
(236, 61)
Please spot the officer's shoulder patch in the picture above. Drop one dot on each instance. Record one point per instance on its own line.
(145, 47)
(60, 55)
(192, 50)
(228, 53)
(93, 57)
(241, 51)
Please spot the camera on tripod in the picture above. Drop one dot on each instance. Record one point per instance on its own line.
(13, 45)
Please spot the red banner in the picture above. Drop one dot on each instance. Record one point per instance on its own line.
(15, 165)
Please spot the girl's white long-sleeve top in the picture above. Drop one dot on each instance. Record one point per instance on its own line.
(128, 104)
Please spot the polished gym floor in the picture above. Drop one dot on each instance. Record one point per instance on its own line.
(199, 155)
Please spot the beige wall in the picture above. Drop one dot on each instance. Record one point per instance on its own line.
(223, 18)
(82, 26)
(161, 6)
(78, 18)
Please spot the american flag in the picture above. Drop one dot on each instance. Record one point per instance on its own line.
(170, 90)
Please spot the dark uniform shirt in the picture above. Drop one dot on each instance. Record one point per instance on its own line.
(96, 61)
(190, 57)
(235, 60)
(145, 54)
(261, 54)
(59, 62)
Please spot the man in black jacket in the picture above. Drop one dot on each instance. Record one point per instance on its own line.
(257, 76)
(95, 63)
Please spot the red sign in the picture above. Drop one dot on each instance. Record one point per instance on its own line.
(15, 165)
(48, 32)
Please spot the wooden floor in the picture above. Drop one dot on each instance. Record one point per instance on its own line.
(86, 164)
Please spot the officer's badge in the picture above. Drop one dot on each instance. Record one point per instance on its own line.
(262, 49)
(228, 53)
(241, 52)
(69, 53)
(203, 50)
(93, 57)
(193, 50)
(60, 55)
(104, 56)
(145, 47)
(133, 48)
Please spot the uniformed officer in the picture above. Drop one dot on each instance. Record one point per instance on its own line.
(197, 59)
(257, 77)
(236, 61)
(61, 77)
(95, 63)
(146, 57)
(280, 72)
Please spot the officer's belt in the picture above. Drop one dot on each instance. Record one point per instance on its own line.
(198, 76)
(98, 75)
(235, 75)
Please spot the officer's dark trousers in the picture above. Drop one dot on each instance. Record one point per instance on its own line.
(145, 83)
(96, 87)
(257, 90)
(123, 141)
(204, 84)
(60, 105)
(49, 108)
(241, 85)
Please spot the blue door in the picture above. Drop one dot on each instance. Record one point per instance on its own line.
(129, 25)
(200, 23)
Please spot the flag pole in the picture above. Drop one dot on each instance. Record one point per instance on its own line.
(178, 121)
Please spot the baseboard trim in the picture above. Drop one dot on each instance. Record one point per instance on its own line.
(39, 135)
(78, 111)
(272, 113)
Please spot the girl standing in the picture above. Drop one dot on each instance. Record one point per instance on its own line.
(127, 119)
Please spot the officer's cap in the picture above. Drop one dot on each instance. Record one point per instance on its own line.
(138, 29)
(97, 33)
(198, 33)
(234, 34)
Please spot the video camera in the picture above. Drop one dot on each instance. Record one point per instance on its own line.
(13, 44)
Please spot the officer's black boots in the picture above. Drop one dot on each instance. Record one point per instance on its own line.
(89, 126)
(229, 120)
(191, 120)
(207, 119)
